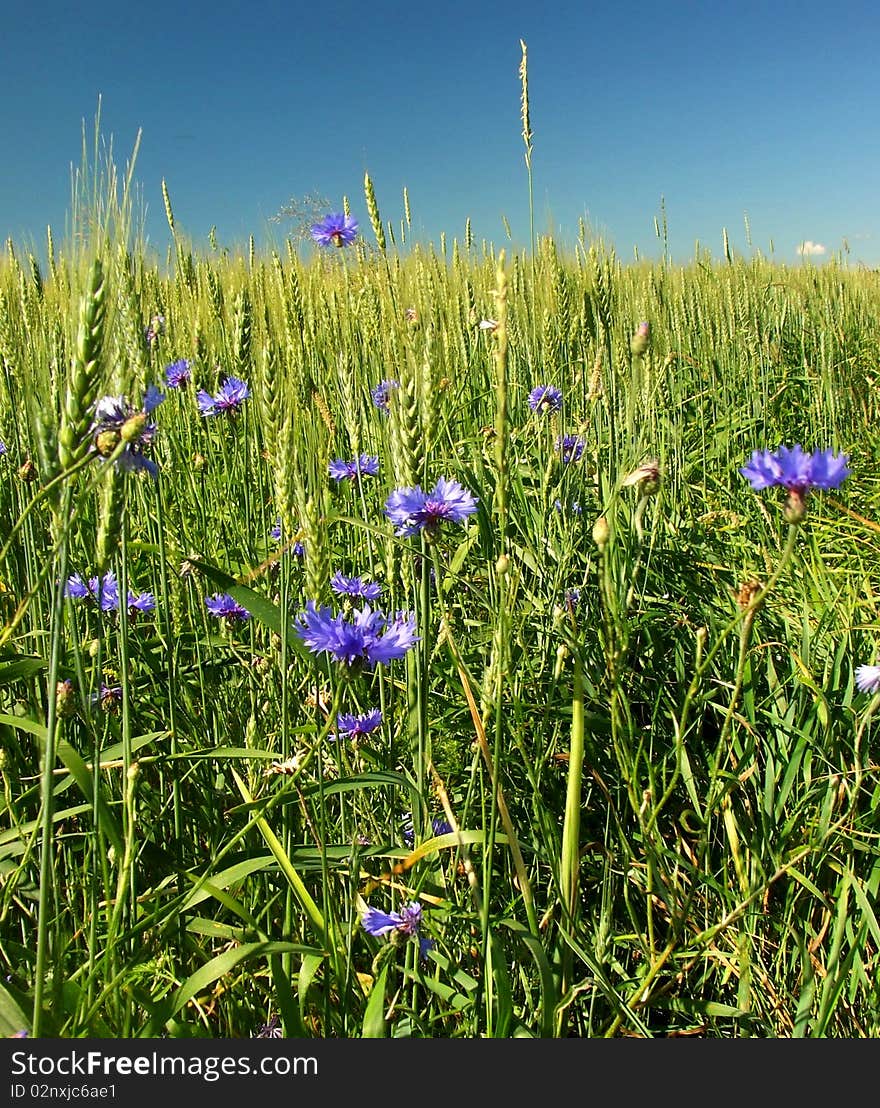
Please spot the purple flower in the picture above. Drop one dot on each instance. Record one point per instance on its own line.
(275, 533)
(2, 448)
(271, 1030)
(411, 510)
(545, 398)
(109, 697)
(226, 401)
(381, 394)
(335, 229)
(76, 588)
(795, 470)
(144, 602)
(438, 827)
(354, 586)
(178, 374)
(868, 678)
(349, 471)
(407, 921)
(105, 591)
(116, 421)
(368, 638)
(223, 606)
(355, 726)
(570, 447)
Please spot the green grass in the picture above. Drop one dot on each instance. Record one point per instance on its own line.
(663, 799)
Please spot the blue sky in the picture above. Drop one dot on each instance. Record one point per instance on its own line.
(717, 109)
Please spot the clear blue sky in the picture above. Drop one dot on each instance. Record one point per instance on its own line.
(721, 108)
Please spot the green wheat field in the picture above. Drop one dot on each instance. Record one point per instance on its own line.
(577, 752)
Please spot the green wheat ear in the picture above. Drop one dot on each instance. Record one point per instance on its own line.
(82, 389)
(373, 211)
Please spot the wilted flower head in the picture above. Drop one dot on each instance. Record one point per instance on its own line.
(335, 229)
(226, 401)
(223, 606)
(364, 640)
(412, 510)
(65, 698)
(178, 374)
(355, 726)
(545, 398)
(868, 679)
(381, 394)
(569, 447)
(354, 586)
(349, 471)
(641, 340)
(646, 477)
(154, 329)
(488, 324)
(118, 422)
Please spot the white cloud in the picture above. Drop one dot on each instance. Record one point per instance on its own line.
(807, 248)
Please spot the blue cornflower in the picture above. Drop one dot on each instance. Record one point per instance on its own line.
(381, 394)
(411, 510)
(349, 471)
(795, 470)
(438, 827)
(354, 586)
(142, 602)
(355, 726)
(366, 639)
(227, 400)
(570, 447)
(178, 374)
(109, 697)
(76, 588)
(545, 398)
(297, 550)
(275, 533)
(3, 449)
(223, 606)
(407, 921)
(116, 421)
(335, 229)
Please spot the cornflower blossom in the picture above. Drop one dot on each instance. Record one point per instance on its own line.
(364, 640)
(178, 374)
(271, 1030)
(297, 550)
(227, 400)
(350, 471)
(109, 698)
(381, 394)
(354, 726)
(117, 421)
(569, 447)
(142, 602)
(354, 586)
(407, 921)
(574, 507)
(3, 449)
(412, 510)
(868, 679)
(795, 470)
(438, 827)
(335, 229)
(224, 607)
(104, 590)
(798, 472)
(545, 398)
